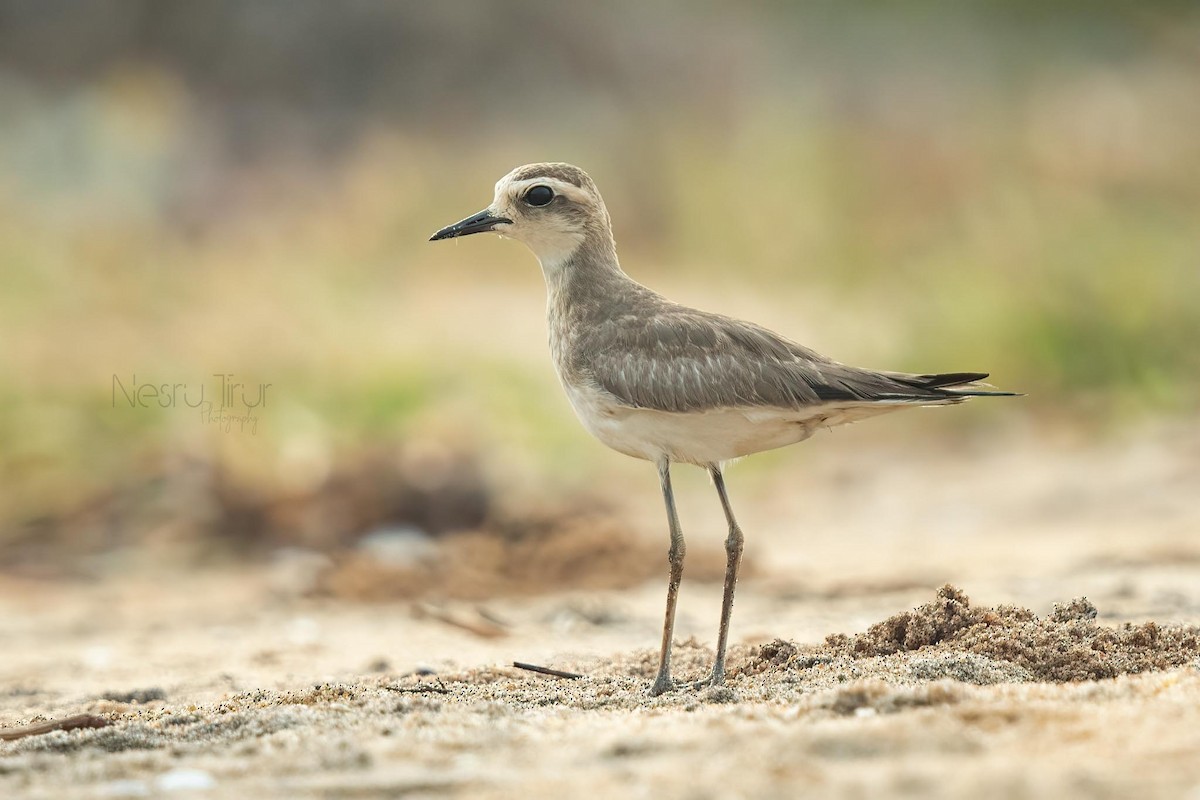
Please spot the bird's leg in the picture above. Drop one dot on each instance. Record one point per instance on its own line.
(733, 558)
(663, 682)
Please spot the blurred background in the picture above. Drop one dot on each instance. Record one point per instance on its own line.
(224, 337)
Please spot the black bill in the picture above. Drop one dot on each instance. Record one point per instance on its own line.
(479, 223)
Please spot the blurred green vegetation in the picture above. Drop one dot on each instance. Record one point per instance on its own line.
(246, 188)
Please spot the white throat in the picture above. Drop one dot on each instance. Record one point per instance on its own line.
(554, 258)
(553, 266)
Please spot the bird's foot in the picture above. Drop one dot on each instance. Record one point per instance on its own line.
(662, 684)
(716, 679)
(713, 689)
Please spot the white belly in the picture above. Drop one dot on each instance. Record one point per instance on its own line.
(708, 437)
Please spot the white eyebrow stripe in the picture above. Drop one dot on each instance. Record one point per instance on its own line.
(568, 190)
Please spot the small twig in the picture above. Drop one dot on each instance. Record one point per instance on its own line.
(68, 724)
(557, 673)
(421, 688)
(483, 628)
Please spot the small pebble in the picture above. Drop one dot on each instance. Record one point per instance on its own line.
(183, 780)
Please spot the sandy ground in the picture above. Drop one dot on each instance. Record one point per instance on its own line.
(233, 683)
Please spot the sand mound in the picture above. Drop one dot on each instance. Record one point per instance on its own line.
(535, 555)
(948, 638)
(400, 520)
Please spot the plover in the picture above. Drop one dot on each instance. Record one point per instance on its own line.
(662, 382)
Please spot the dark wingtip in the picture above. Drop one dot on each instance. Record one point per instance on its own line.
(958, 384)
(944, 379)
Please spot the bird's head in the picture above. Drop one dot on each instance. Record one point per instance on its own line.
(553, 208)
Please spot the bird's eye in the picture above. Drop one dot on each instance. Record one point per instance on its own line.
(539, 195)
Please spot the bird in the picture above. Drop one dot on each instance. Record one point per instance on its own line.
(670, 384)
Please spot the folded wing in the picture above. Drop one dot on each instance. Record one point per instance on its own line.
(686, 361)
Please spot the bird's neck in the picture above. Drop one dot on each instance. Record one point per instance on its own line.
(580, 293)
(588, 272)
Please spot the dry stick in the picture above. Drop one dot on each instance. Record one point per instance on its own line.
(421, 688)
(68, 724)
(557, 673)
